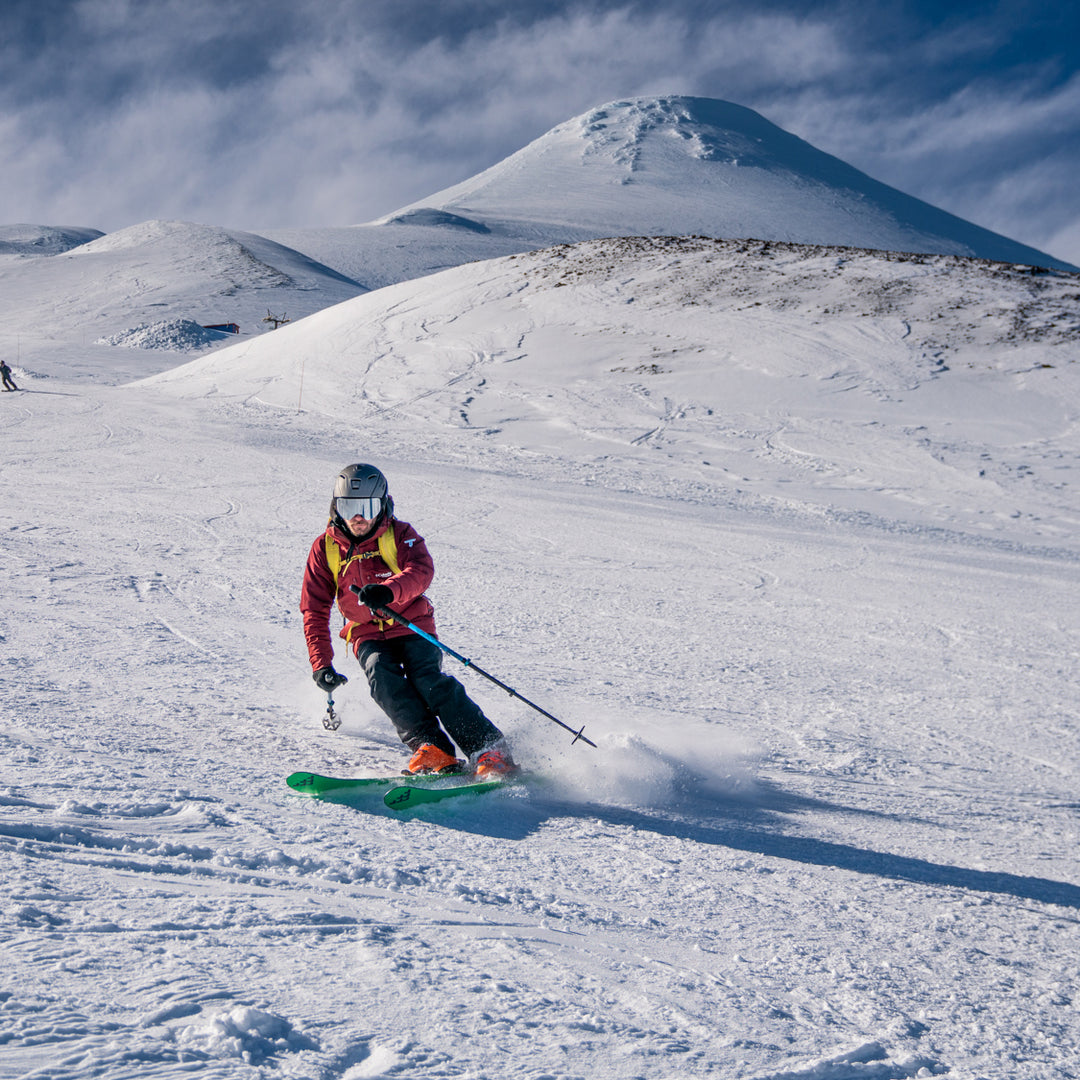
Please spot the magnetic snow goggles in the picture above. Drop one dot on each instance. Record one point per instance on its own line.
(347, 508)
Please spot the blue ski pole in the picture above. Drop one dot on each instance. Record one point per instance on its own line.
(386, 612)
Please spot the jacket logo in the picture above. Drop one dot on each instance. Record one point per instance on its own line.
(411, 542)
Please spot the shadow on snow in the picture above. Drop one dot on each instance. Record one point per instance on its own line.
(752, 825)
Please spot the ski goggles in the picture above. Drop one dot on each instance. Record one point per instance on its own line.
(347, 509)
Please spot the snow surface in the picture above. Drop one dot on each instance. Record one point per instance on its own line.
(715, 363)
(791, 531)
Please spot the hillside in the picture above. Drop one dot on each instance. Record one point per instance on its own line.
(31, 240)
(835, 376)
(55, 310)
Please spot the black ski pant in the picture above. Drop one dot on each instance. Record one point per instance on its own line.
(407, 682)
(9, 383)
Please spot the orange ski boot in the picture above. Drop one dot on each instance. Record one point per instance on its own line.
(430, 759)
(493, 764)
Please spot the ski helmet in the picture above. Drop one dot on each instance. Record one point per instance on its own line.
(366, 484)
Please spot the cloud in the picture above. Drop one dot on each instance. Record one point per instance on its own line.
(335, 114)
(308, 112)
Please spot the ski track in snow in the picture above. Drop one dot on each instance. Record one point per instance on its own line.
(830, 830)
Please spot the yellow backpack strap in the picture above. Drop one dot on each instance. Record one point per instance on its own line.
(333, 556)
(388, 549)
(388, 554)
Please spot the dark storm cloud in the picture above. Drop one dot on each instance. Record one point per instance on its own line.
(335, 111)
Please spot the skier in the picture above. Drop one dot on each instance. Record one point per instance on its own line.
(5, 373)
(366, 546)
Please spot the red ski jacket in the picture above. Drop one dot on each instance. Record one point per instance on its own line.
(338, 560)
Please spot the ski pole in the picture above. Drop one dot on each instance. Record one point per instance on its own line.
(331, 721)
(479, 671)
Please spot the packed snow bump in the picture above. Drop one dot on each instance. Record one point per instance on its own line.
(178, 335)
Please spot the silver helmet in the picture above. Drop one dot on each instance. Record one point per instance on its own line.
(361, 490)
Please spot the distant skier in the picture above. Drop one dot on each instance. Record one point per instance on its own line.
(5, 373)
(365, 545)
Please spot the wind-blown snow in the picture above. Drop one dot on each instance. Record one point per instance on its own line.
(791, 531)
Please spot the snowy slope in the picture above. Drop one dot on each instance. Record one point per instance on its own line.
(666, 166)
(676, 165)
(411, 246)
(791, 531)
(54, 310)
(841, 377)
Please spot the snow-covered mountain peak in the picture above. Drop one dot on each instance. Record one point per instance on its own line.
(699, 128)
(193, 245)
(154, 231)
(683, 165)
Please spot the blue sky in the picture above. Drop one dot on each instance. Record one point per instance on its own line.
(333, 112)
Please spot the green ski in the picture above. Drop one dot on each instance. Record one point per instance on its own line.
(404, 792)
(308, 783)
(406, 796)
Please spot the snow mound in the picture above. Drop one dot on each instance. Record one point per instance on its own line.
(426, 216)
(246, 1033)
(158, 270)
(155, 231)
(177, 335)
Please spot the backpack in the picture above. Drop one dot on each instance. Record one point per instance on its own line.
(387, 552)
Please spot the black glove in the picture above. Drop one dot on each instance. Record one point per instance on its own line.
(376, 596)
(326, 678)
